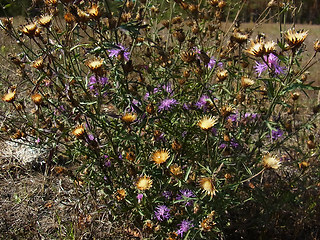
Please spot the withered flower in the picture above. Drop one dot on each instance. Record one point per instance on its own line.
(37, 98)
(207, 122)
(29, 29)
(222, 75)
(95, 65)
(38, 64)
(246, 82)
(78, 131)
(188, 57)
(207, 186)
(270, 161)
(94, 11)
(45, 20)
(256, 49)
(144, 183)
(160, 156)
(316, 46)
(69, 17)
(295, 38)
(10, 96)
(240, 37)
(129, 117)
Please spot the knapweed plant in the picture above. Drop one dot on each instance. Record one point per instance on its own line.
(182, 122)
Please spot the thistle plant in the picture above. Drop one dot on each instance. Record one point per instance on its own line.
(174, 120)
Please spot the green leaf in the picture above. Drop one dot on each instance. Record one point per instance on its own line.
(187, 173)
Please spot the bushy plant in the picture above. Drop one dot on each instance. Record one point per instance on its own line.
(185, 125)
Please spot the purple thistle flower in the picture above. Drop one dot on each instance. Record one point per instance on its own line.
(202, 103)
(117, 51)
(186, 193)
(185, 225)
(139, 197)
(162, 213)
(167, 194)
(212, 63)
(275, 134)
(260, 68)
(166, 104)
(270, 61)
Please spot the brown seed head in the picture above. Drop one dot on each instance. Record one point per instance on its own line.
(38, 64)
(78, 131)
(222, 75)
(179, 35)
(37, 99)
(188, 57)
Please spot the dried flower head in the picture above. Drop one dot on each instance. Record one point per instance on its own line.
(188, 57)
(270, 161)
(94, 11)
(269, 47)
(29, 29)
(144, 183)
(121, 194)
(129, 117)
(256, 49)
(95, 65)
(78, 131)
(246, 82)
(175, 170)
(7, 23)
(37, 98)
(10, 96)
(207, 186)
(295, 38)
(51, 2)
(240, 37)
(208, 223)
(160, 156)
(222, 75)
(316, 46)
(45, 20)
(69, 18)
(38, 64)
(207, 122)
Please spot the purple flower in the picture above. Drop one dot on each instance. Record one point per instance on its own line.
(275, 134)
(270, 61)
(167, 194)
(37, 140)
(186, 193)
(166, 104)
(120, 50)
(223, 145)
(202, 103)
(233, 117)
(162, 213)
(139, 197)
(185, 225)
(211, 63)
